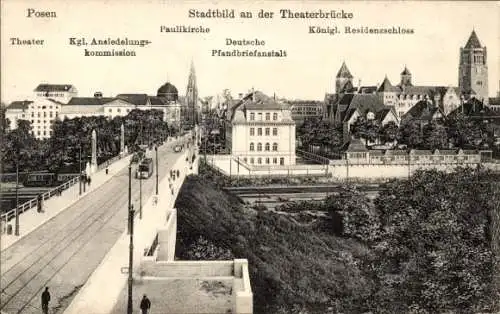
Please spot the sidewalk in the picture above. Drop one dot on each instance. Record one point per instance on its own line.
(31, 219)
(112, 272)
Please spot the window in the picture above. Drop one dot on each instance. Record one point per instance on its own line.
(267, 147)
(32, 121)
(479, 83)
(259, 160)
(50, 114)
(118, 110)
(275, 131)
(275, 160)
(38, 132)
(39, 114)
(267, 161)
(252, 131)
(260, 116)
(245, 159)
(32, 114)
(259, 147)
(50, 133)
(110, 110)
(275, 116)
(252, 116)
(267, 131)
(252, 160)
(275, 147)
(44, 133)
(259, 131)
(268, 116)
(252, 146)
(38, 121)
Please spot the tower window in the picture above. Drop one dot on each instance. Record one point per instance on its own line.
(479, 83)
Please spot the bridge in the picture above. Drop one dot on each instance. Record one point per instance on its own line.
(80, 247)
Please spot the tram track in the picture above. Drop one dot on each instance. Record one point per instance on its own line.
(64, 252)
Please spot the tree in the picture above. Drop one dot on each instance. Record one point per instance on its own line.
(435, 136)
(410, 134)
(435, 253)
(369, 130)
(389, 132)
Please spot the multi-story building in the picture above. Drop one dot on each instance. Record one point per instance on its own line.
(61, 93)
(473, 70)
(473, 82)
(79, 107)
(17, 110)
(305, 109)
(42, 113)
(261, 131)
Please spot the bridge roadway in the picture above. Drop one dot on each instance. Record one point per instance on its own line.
(63, 253)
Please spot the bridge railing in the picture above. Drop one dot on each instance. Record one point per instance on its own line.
(6, 217)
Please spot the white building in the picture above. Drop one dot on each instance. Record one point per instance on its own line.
(59, 92)
(42, 113)
(261, 131)
(79, 107)
(17, 110)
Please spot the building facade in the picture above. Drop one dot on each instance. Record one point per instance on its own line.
(261, 131)
(305, 109)
(473, 83)
(17, 110)
(61, 93)
(473, 70)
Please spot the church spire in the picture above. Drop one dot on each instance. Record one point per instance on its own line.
(473, 41)
(192, 95)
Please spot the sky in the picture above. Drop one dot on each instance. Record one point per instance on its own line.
(431, 53)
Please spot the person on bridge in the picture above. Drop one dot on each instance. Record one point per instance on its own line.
(39, 201)
(45, 300)
(145, 305)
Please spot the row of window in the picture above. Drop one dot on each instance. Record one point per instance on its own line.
(267, 160)
(44, 114)
(267, 131)
(45, 94)
(45, 133)
(38, 121)
(110, 110)
(259, 116)
(43, 107)
(267, 147)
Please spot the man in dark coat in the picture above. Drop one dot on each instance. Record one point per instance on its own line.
(45, 300)
(145, 305)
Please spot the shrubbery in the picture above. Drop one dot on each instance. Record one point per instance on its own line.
(427, 245)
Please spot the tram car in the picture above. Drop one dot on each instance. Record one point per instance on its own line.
(145, 169)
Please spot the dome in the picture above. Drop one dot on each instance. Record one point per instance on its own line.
(168, 91)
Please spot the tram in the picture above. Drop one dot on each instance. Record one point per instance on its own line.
(145, 169)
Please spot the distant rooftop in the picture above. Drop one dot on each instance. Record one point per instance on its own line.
(53, 88)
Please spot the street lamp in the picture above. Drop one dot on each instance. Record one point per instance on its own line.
(16, 232)
(156, 150)
(80, 167)
(131, 245)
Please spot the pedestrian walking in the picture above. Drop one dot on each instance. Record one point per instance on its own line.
(145, 305)
(89, 180)
(45, 300)
(39, 203)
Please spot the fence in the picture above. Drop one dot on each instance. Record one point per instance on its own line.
(6, 217)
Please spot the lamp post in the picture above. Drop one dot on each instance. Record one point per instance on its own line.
(16, 231)
(131, 245)
(156, 151)
(80, 167)
(140, 196)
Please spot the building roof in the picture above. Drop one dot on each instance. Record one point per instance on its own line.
(53, 88)
(406, 71)
(169, 91)
(473, 41)
(81, 109)
(386, 86)
(136, 99)
(19, 105)
(257, 100)
(344, 72)
(422, 110)
(381, 114)
(367, 89)
(89, 101)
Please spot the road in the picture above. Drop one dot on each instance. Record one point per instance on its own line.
(64, 252)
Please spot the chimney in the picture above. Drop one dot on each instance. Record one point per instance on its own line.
(98, 94)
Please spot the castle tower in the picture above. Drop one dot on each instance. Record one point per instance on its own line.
(405, 77)
(473, 70)
(343, 80)
(192, 97)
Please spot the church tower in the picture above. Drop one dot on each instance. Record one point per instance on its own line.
(473, 70)
(192, 97)
(343, 81)
(406, 77)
